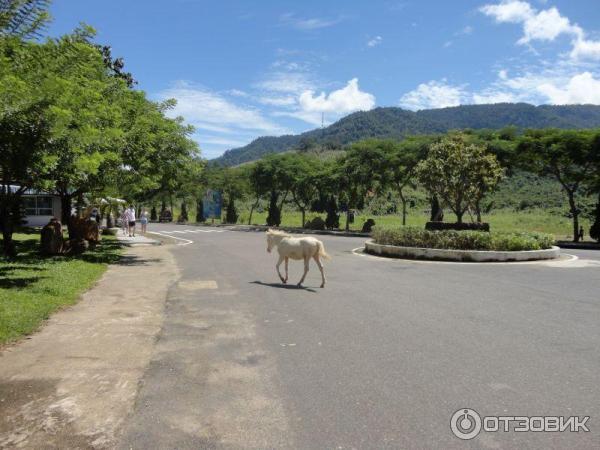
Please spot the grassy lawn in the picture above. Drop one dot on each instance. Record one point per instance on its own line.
(33, 287)
(501, 220)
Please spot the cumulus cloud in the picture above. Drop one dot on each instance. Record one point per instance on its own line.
(581, 88)
(586, 49)
(556, 86)
(544, 25)
(433, 94)
(347, 99)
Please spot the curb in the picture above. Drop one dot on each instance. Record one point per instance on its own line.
(579, 245)
(436, 254)
(295, 230)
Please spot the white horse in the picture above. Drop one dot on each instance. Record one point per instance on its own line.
(296, 248)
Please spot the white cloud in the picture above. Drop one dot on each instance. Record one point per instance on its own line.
(511, 11)
(434, 94)
(547, 25)
(544, 25)
(286, 82)
(278, 100)
(309, 24)
(374, 41)
(581, 88)
(585, 49)
(347, 99)
(199, 106)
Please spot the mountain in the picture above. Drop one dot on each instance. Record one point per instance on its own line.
(391, 122)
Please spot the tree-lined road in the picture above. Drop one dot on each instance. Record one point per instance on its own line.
(380, 358)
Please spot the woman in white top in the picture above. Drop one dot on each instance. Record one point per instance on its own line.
(131, 220)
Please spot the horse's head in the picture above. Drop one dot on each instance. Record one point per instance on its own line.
(274, 237)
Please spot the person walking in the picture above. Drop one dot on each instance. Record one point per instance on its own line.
(144, 221)
(131, 220)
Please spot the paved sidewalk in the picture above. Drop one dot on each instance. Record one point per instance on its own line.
(138, 240)
(72, 384)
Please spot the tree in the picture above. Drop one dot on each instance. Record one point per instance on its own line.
(273, 177)
(363, 169)
(23, 18)
(25, 127)
(458, 174)
(569, 156)
(303, 174)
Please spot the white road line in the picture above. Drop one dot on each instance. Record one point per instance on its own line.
(185, 241)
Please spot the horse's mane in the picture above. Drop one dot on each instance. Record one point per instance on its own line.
(278, 233)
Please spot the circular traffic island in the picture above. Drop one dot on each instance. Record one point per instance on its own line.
(461, 246)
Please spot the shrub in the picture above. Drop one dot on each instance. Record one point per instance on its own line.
(462, 240)
(316, 224)
(435, 226)
(368, 226)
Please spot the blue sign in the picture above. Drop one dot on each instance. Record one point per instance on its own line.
(212, 204)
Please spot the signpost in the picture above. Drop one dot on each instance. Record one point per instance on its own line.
(212, 204)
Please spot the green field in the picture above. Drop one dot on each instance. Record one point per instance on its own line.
(501, 220)
(33, 287)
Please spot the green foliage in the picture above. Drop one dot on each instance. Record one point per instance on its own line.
(595, 228)
(23, 18)
(571, 157)
(396, 123)
(462, 240)
(459, 174)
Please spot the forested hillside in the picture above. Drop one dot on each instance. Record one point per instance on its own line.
(397, 123)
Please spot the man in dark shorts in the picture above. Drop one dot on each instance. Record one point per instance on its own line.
(131, 219)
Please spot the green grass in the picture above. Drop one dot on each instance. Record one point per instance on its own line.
(501, 220)
(33, 287)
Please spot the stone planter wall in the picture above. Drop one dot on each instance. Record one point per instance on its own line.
(459, 255)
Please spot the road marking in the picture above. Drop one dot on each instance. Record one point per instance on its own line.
(185, 241)
(359, 251)
(198, 284)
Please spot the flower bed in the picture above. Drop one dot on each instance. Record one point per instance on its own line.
(462, 240)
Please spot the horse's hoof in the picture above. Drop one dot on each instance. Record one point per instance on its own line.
(284, 281)
(299, 285)
(322, 286)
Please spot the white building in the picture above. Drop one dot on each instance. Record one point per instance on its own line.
(40, 207)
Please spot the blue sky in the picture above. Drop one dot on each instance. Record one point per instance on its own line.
(243, 69)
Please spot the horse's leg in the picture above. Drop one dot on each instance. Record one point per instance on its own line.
(277, 267)
(306, 260)
(286, 269)
(318, 261)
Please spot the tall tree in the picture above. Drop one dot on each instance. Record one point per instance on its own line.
(458, 173)
(571, 157)
(23, 18)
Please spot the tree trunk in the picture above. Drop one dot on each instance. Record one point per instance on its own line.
(8, 245)
(403, 199)
(478, 210)
(303, 216)
(254, 205)
(65, 204)
(575, 213)
(459, 216)
(348, 219)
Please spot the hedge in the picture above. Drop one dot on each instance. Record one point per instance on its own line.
(462, 240)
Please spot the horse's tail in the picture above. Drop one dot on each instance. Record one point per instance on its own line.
(322, 251)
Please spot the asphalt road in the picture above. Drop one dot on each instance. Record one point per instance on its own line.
(380, 358)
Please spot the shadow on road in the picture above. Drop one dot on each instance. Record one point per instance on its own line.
(283, 286)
